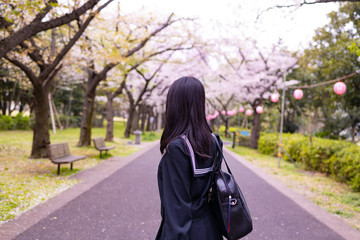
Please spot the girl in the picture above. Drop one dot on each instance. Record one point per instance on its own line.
(184, 181)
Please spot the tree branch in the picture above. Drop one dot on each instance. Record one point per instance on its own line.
(24, 68)
(34, 55)
(144, 41)
(36, 26)
(72, 41)
(52, 76)
(301, 4)
(122, 86)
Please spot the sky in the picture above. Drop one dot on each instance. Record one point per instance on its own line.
(295, 26)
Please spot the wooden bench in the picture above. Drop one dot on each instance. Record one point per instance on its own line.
(60, 154)
(100, 145)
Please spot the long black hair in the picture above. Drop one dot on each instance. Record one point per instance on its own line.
(185, 115)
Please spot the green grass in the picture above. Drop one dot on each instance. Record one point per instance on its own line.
(25, 182)
(335, 197)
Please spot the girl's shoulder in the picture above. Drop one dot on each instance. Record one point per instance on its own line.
(176, 144)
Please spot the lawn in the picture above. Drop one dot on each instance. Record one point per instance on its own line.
(25, 182)
(335, 197)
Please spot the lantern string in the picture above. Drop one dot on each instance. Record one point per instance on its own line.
(323, 83)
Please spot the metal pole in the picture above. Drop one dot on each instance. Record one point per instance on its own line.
(52, 114)
(282, 118)
(239, 121)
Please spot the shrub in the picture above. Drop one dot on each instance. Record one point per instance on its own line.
(337, 158)
(21, 122)
(344, 165)
(6, 122)
(297, 147)
(323, 149)
(268, 143)
(243, 140)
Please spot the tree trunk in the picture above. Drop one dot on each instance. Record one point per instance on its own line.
(143, 117)
(135, 121)
(255, 131)
(353, 132)
(4, 107)
(41, 137)
(227, 127)
(87, 118)
(129, 122)
(150, 120)
(109, 118)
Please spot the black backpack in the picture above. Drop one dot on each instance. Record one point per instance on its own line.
(227, 201)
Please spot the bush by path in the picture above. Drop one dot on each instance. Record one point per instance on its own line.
(336, 197)
(338, 159)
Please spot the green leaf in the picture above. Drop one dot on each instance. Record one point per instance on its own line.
(358, 52)
(54, 4)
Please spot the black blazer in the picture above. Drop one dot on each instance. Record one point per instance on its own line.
(183, 187)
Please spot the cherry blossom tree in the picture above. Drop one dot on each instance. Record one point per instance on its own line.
(40, 58)
(131, 41)
(258, 73)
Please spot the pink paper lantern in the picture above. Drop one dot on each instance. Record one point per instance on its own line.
(259, 109)
(298, 94)
(223, 112)
(216, 113)
(339, 88)
(241, 109)
(231, 113)
(249, 112)
(274, 97)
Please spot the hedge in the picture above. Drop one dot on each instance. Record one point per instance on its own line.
(339, 159)
(17, 122)
(6, 122)
(344, 165)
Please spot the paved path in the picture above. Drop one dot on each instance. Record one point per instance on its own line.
(126, 206)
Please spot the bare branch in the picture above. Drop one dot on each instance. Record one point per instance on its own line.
(122, 86)
(24, 68)
(297, 5)
(34, 54)
(327, 82)
(144, 41)
(36, 26)
(49, 80)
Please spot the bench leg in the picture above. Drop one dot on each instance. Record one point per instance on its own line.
(58, 172)
(71, 166)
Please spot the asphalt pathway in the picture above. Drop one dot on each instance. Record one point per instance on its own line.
(126, 205)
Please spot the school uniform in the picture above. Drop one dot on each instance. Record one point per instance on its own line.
(183, 187)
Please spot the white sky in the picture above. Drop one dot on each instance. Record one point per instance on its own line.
(295, 26)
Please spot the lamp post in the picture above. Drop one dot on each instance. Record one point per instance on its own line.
(283, 85)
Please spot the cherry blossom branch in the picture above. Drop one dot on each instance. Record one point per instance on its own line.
(300, 4)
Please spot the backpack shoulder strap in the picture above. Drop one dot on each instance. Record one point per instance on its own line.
(221, 152)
